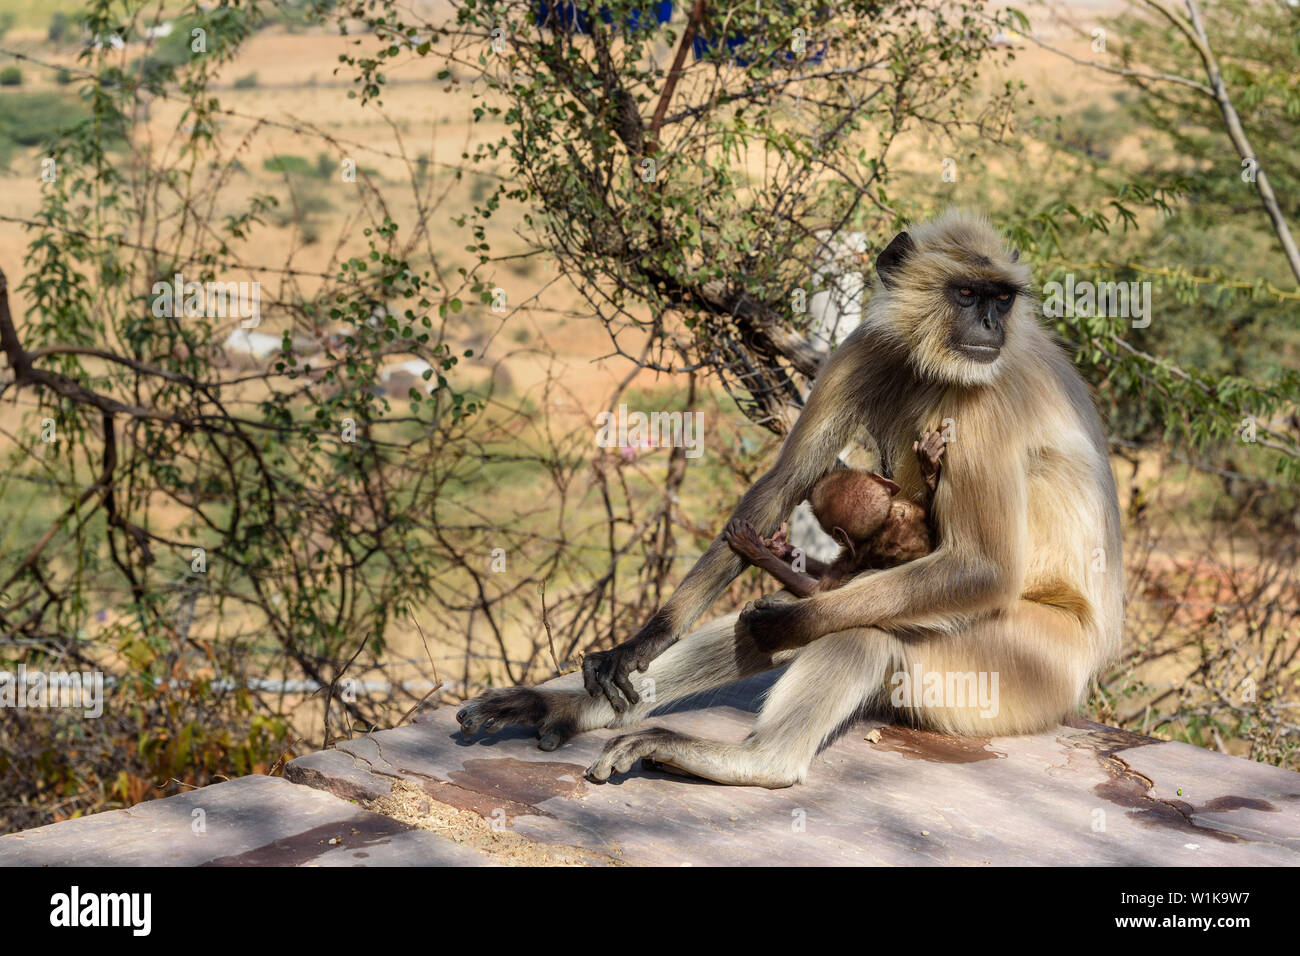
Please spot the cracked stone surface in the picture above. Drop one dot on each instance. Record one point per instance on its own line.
(1077, 795)
(248, 821)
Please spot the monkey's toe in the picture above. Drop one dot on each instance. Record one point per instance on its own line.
(600, 770)
(470, 719)
(622, 753)
(500, 708)
(617, 757)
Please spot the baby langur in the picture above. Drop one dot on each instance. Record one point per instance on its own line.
(858, 509)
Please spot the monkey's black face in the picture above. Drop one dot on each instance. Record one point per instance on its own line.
(980, 327)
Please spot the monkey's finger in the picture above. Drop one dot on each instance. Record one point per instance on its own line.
(611, 692)
(622, 680)
(591, 675)
(745, 629)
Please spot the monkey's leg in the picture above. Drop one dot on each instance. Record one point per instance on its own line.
(1015, 673)
(708, 657)
(826, 684)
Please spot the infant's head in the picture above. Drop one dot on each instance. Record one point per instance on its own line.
(852, 505)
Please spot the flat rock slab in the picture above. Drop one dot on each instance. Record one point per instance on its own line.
(1079, 794)
(249, 821)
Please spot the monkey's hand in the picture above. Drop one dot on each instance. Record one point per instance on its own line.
(745, 541)
(928, 452)
(779, 543)
(774, 622)
(610, 672)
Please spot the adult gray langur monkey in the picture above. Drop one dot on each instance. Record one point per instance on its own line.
(1024, 584)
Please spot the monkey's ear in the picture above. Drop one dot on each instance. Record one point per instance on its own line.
(1015, 255)
(891, 486)
(842, 538)
(891, 260)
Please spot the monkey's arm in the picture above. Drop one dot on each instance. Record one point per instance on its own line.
(830, 419)
(800, 585)
(814, 567)
(978, 567)
(767, 554)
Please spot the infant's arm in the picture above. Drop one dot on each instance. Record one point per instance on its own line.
(747, 543)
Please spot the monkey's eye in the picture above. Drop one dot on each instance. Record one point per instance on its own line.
(965, 296)
(1004, 301)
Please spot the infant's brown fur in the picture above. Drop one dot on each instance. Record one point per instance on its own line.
(874, 529)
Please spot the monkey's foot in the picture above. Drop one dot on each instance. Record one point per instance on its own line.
(661, 749)
(504, 706)
(657, 745)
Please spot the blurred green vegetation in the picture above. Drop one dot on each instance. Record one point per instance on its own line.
(39, 118)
